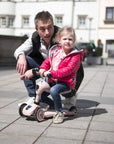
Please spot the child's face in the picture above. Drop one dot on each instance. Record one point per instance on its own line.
(67, 41)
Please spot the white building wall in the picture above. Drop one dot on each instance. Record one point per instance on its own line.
(7, 8)
(55, 8)
(94, 9)
(106, 31)
(62, 7)
(89, 9)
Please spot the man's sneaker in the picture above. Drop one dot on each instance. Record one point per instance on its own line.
(44, 105)
(28, 101)
(58, 117)
(69, 102)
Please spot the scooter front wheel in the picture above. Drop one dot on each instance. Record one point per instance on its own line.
(39, 113)
(21, 109)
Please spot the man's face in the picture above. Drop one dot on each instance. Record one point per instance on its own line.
(45, 30)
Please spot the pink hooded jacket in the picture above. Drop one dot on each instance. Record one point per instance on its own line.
(67, 67)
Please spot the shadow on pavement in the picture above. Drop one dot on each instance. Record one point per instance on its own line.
(85, 108)
(88, 108)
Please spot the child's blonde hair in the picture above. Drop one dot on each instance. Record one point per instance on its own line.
(66, 29)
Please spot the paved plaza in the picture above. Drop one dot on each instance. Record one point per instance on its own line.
(93, 124)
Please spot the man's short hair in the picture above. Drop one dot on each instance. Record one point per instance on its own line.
(43, 16)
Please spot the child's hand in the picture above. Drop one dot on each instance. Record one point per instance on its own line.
(46, 73)
(41, 71)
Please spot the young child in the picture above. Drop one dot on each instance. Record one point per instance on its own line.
(63, 63)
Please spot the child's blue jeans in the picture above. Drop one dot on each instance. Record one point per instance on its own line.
(55, 92)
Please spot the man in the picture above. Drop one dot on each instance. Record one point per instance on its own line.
(35, 50)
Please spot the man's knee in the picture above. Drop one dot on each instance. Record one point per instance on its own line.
(31, 63)
(28, 59)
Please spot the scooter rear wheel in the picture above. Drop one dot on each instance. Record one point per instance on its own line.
(73, 108)
(21, 109)
(39, 113)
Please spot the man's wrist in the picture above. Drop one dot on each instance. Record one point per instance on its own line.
(20, 55)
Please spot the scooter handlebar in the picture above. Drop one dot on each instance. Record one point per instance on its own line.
(49, 75)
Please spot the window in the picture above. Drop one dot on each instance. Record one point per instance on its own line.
(6, 21)
(110, 44)
(81, 22)
(25, 21)
(59, 21)
(109, 15)
(3, 21)
(10, 22)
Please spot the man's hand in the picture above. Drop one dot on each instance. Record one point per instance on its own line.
(21, 64)
(28, 74)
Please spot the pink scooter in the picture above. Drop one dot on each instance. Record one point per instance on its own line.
(40, 113)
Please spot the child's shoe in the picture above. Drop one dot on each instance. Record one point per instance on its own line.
(58, 117)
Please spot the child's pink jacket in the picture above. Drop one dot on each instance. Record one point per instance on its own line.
(67, 68)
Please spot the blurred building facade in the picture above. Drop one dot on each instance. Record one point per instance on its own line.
(93, 20)
(106, 25)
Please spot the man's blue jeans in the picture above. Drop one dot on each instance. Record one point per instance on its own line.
(31, 84)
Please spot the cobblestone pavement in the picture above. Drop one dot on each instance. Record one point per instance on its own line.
(93, 124)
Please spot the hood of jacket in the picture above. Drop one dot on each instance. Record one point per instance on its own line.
(57, 47)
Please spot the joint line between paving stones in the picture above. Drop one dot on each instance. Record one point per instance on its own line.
(104, 84)
(88, 82)
(11, 103)
(10, 124)
(89, 125)
(42, 133)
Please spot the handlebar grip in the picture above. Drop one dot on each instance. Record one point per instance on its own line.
(49, 75)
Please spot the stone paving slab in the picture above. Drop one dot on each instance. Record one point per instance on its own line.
(65, 133)
(16, 139)
(7, 118)
(100, 136)
(24, 130)
(48, 140)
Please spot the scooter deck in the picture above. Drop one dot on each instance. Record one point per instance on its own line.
(51, 113)
(37, 112)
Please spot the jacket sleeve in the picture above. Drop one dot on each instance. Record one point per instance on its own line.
(71, 67)
(26, 48)
(46, 64)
